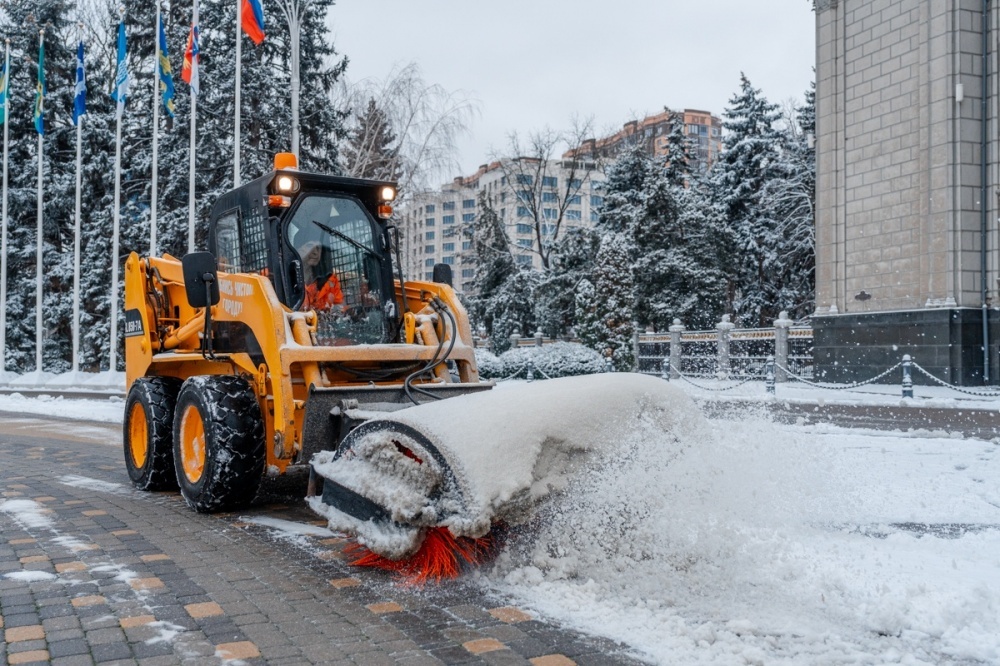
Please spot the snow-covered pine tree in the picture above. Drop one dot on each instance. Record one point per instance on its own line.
(753, 146)
(678, 151)
(611, 334)
(555, 297)
(495, 267)
(21, 21)
(97, 187)
(512, 308)
(372, 149)
(624, 193)
(693, 277)
(789, 202)
(588, 323)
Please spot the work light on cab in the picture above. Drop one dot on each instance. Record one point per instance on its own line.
(287, 184)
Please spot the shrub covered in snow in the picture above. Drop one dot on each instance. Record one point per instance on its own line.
(489, 364)
(559, 359)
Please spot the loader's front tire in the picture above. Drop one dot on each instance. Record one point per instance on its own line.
(148, 433)
(218, 443)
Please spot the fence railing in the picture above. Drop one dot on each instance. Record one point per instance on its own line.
(727, 351)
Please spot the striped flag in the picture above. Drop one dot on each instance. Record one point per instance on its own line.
(40, 91)
(3, 91)
(80, 93)
(191, 56)
(253, 20)
(120, 93)
(166, 75)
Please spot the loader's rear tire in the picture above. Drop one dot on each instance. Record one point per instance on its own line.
(218, 443)
(148, 433)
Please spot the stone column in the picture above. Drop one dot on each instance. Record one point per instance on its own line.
(675, 348)
(724, 327)
(781, 326)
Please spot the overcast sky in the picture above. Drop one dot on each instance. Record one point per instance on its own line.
(536, 63)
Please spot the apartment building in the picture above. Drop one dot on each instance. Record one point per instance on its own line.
(704, 131)
(437, 225)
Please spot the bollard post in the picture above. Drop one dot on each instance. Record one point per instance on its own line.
(769, 377)
(724, 327)
(781, 326)
(531, 370)
(538, 338)
(608, 365)
(515, 338)
(635, 345)
(676, 350)
(665, 369)
(907, 376)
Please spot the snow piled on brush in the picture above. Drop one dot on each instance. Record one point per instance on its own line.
(764, 544)
(503, 451)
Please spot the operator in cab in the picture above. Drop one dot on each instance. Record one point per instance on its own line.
(322, 289)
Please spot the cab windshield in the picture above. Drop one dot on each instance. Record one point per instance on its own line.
(332, 238)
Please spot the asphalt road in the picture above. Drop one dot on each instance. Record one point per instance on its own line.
(970, 422)
(93, 571)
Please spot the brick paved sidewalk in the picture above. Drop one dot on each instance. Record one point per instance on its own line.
(92, 571)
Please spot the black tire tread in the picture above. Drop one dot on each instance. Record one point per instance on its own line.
(234, 432)
(158, 396)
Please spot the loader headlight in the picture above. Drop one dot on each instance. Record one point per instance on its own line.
(287, 185)
(388, 193)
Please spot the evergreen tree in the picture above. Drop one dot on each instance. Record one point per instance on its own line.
(607, 323)
(678, 153)
(555, 297)
(495, 269)
(372, 149)
(588, 323)
(265, 130)
(21, 21)
(752, 152)
(789, 203)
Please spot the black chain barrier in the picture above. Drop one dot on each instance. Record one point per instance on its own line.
(709, 388)
(952, 387)
(836, 387)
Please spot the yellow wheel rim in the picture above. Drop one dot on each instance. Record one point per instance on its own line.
(138, 435)
(192, 444)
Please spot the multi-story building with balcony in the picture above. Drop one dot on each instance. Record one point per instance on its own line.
(437, 225)
(703, 130)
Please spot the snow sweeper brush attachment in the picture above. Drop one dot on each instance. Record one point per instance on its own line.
(422, 490)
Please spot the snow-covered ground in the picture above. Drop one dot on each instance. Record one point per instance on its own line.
(763, 543)
(777, 544)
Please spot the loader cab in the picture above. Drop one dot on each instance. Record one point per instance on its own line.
(324, 244)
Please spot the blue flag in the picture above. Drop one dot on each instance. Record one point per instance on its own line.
(120, 93)
(166, 75)
(3, 92)
(40, 90)
(80, 95)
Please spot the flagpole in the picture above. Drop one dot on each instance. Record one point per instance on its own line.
(239, 69)
(192, 156)
(120, 107)
(3, 240)
(156, 132)
(77, 230)
(40, 240)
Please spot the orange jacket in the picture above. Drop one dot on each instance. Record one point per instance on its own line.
(322, 297)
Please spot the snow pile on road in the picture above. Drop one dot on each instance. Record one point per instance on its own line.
(493, 456)
(771, 544)
(111, 410)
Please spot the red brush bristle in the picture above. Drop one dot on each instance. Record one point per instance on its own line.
(440, 556)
